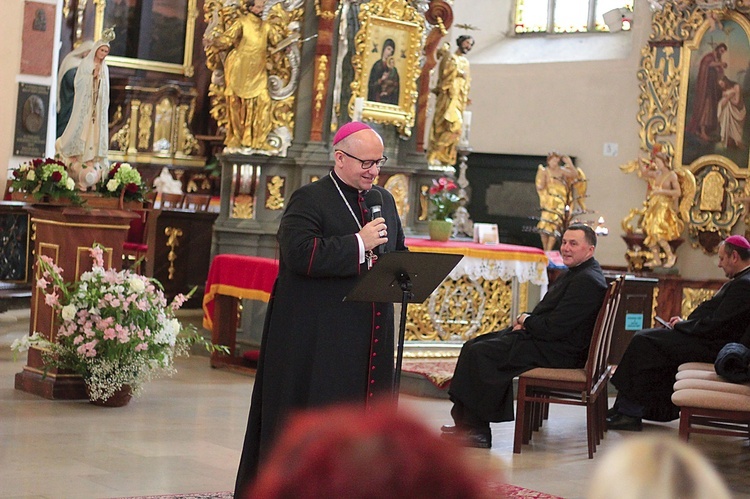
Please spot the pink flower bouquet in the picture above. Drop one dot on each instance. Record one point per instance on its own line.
(116, 327)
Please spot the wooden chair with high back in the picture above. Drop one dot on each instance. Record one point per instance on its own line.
(169, 200)
(196, 202)
(587, 386)
(134, 248)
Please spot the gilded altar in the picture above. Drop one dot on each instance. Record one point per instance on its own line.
(489, 285)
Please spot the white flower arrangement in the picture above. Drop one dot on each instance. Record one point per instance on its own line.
(116, 327)
(124, 180)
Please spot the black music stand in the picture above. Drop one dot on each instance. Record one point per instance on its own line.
(403, 277)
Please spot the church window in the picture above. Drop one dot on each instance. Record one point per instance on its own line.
(567, 16)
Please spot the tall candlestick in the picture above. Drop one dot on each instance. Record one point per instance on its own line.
(359, 105)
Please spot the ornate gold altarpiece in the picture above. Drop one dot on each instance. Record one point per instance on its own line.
(681, 34)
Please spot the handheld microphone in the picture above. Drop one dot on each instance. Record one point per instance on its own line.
(374, 203)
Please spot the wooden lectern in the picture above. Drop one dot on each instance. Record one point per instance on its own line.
(65, 234)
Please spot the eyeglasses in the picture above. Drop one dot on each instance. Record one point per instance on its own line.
(367, 163)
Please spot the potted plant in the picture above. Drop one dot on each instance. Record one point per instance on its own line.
(443, 203)
(116, 329)
(44, 180)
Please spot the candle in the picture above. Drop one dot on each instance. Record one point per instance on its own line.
(359, 105)
(464, 141)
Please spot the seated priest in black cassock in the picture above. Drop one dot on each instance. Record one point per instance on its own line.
(555, 334)
(316, 348)
(646, 373)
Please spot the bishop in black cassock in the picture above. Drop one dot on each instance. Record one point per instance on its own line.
(646, 373)
(317, 349)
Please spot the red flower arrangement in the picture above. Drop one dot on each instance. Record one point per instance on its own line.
(444, 201)
(45, 179)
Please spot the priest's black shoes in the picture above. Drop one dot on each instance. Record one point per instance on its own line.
(477, 439)
(449, 428)
(624, 422)
(470, 438)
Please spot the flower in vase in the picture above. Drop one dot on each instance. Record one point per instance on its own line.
(443, 200)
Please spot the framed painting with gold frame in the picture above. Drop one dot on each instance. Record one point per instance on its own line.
(712, 120)
(167, 48)
(386, 63)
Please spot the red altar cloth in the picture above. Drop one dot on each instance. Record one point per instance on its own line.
(476, 250)
(250, 277)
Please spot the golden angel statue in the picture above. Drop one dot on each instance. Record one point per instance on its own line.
(454, 82)
(667, 205)
(251, 47)
(561, 190)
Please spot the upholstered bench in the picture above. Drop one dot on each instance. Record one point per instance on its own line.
(710, 404)
(696, 366)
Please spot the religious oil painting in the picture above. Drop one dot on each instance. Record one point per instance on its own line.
(386, 64)
(159, 38)
(167, 34)
(713, 105)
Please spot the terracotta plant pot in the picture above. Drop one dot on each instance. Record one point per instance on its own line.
(440, 230)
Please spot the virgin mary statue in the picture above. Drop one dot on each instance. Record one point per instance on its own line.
(84, 143)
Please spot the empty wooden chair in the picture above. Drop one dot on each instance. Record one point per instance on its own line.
(196, 202)
(168, 200)
(540, 387)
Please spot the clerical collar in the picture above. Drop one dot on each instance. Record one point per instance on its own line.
(343, 184)
(583, 264)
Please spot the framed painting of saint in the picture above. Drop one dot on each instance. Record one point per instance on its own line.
(715, 95)
(386, 66)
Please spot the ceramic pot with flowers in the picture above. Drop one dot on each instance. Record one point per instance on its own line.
(440, 230)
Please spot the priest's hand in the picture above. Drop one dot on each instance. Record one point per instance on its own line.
(374, 234)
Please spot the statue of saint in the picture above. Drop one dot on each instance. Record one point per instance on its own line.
(561, 190)
(246, 76)
(661, 222)
(253, 51)
(452, 93)
(84, 143)
(166, 183)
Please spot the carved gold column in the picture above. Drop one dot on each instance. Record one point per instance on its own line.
(326, 11)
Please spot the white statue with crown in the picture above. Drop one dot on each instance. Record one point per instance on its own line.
(84, 143)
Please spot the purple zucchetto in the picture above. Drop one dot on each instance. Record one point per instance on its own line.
(348, 129)
(738, 241)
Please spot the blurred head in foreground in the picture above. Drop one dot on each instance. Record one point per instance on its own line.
(647, 467)
(347, 452)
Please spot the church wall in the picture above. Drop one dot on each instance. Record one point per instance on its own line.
(11, 23)
(575, 108)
